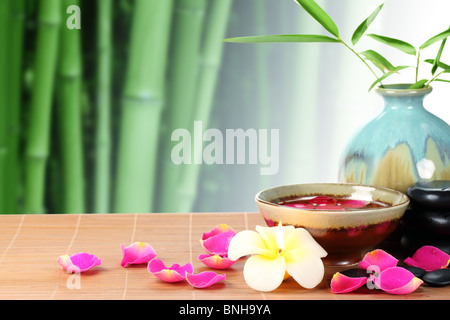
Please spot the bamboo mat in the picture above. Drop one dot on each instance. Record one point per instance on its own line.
(31, 244)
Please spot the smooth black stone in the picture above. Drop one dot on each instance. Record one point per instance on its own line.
(417, 272)
(355, 273)
(437, 278)
(431, 194)
(410, 242)
(432, 222)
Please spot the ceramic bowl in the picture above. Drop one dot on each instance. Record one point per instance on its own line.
(346, 235)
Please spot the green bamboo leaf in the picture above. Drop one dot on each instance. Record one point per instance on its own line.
(419, 84)
(378, 60)
(362, 28)
(387, 74)
(442, 80)
(320, 15)
(283, 38)
(384, 76)
(441, 36)
(438, 57)
(440, 64)
(395, 43)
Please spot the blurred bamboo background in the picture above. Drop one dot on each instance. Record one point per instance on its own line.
(86, 115)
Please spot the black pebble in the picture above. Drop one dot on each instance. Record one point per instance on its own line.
(435, 223)
(410, 242)
(355, 273)
(437, 278)
(431, 194)
(417, 272)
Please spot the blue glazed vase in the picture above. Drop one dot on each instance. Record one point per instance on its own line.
(401, 146)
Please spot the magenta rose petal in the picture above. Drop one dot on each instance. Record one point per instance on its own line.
(324, 203)
(379, 258)
(397, 280)
(220, 228)
(137, 253)
(204, 279)
(343, 284)
(348, 203)
(78, 262)
(322, 200)
(175, 273)
(216, 261)
(322, 206)
(218, 244)
(429, 258)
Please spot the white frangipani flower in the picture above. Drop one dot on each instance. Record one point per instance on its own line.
(275, 251)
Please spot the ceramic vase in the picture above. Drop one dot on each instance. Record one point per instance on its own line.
(401, 146)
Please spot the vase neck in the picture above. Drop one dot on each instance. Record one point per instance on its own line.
(406, 103)
(400, 98)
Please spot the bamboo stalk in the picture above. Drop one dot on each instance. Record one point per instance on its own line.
(263, 80)
(103, 126)
(215, 190)
(69, 87)
(37, 145)
(301, 125)
(142, 106)
(245, 82)
(16, 45)
(209, 186)
(5, 7)
(187, 36)
(211, 60)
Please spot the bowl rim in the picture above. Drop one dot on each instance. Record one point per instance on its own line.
(403, 203)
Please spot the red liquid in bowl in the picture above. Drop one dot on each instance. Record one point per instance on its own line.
(330, 203)
(345, 245)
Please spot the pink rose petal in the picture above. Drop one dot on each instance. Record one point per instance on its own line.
(204, 279)
(396, 280)
(343, 284)
(175, 273)
(78, 262)
(137, 253)
(216, 261)
(322, 200)
(326, 203)
(348, 203)
(220, 228)
(353, 232)
(429, 258)
(218, 244)
(379, 258)
(381, 228)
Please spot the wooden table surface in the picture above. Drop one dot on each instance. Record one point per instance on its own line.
(31, 244)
